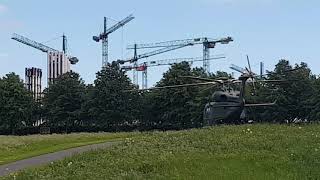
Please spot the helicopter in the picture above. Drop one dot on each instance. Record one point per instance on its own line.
(227, 106)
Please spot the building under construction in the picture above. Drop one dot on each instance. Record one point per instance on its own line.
(33, 79)
(58, 64)
(58, 61)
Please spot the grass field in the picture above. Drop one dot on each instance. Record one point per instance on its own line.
(14, 148)
(224, 152)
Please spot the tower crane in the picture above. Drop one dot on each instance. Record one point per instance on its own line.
(136, 57)
(32, 43)
(104, 36)
(58, 62)
(152, 53)
(143, 67)
(207, 43)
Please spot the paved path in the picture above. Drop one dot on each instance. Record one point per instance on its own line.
(47, 158)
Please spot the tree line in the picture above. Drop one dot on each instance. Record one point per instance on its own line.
(112, 104)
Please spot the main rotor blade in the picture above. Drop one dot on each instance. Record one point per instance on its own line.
(271, 80)
(231, 105)
(174, 86)
(249, 64)
(263, 104)
(220, 81)
(205, 89)
(237, 68)
(199, 78)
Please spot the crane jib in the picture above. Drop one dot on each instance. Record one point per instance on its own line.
(32, 43)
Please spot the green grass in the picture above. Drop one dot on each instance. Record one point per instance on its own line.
(13, 148)
(224, 152)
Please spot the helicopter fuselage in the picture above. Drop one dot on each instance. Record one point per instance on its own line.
(226, 107)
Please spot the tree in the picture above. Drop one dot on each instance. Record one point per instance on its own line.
(63, 100)
(292, 95)
(86, 116)
(174, 108)
(111, 105)
(314, 101)
(16, 104)
(179, 108)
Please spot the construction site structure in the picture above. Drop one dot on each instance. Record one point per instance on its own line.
(143, 67)
(136, 57)
(33, 81)
(165, 46)
(104, 36)
(58, 61)
(261, 69)
(208, 43)
(58, 64)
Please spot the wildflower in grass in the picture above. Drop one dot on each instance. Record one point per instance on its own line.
(248, 131)
(70, 163)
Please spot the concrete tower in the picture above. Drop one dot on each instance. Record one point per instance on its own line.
(58, 64)
(33, 78)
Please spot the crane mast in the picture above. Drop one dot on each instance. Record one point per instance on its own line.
(105, 43)
(104, 36)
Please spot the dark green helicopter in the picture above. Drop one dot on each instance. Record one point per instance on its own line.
(227, 105)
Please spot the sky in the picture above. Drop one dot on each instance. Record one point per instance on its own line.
(266, 30)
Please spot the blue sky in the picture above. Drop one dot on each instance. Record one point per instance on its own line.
(267, 30)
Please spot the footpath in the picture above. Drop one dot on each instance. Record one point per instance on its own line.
(48, 158)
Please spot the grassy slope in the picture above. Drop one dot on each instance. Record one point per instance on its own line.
(226, 152)
(14, 148)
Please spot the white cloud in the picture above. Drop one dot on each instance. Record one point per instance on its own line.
(3, 8)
